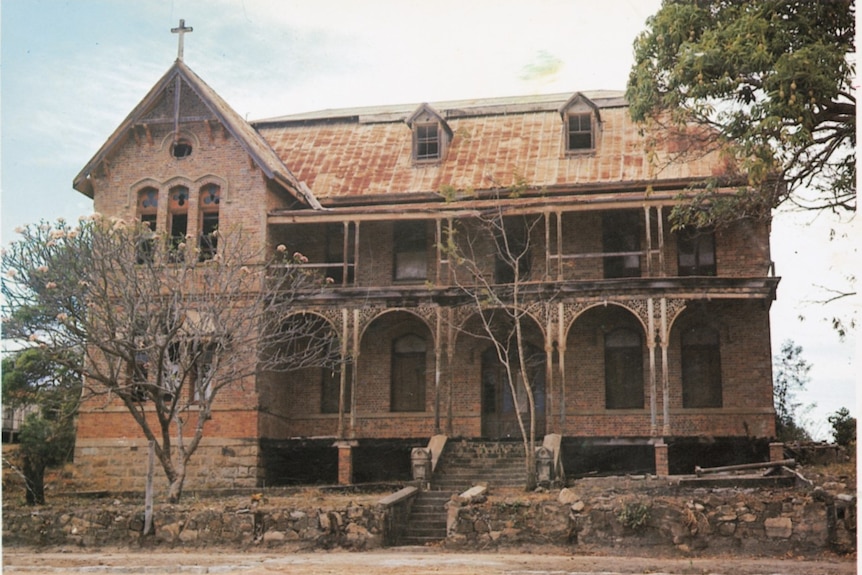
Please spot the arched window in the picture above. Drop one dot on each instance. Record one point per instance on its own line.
(209, 208)
(178, 220)
(408, 374)
(701, 367)
(624, 381)
(147, 207)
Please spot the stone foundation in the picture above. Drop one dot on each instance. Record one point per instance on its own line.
(120, 465)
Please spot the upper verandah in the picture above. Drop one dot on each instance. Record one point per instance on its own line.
(372, 152)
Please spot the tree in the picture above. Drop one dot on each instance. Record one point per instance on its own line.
(163, 325)
(768, 82)
(51, 393)
(791, 376)
(491, 257)
(843, 427)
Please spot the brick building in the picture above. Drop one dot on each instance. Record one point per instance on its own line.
(643, 336)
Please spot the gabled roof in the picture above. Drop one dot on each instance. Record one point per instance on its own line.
(579, 98)
(426, 111)
(250, 140)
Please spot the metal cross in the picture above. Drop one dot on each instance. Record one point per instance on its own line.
(181, 30)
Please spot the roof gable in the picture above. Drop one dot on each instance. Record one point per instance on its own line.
(577, 102)
(178, 76)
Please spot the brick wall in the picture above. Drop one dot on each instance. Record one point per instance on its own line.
(283, 406)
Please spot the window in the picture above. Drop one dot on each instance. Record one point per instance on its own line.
(148, 205)
(701, 368)
(512, 243)
(331, 388)
(209, 208)
(409, 241)
(624, 382)
(202, 367)
(178, 221)
(579, 132)
(621, 243)
(408, 374)
(431, 135)
(696, 255)
(181, 149)
(427, 142)
(138, 375)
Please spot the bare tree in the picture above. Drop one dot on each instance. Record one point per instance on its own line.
(164, 324)
(492, 266)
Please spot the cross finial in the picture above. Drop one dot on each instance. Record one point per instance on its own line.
(181, 30)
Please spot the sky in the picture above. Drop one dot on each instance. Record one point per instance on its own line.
(71, 70)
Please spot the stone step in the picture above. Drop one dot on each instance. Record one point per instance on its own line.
(467, 463)
(427, 520)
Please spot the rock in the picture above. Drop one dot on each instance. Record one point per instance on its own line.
(748, 518)
(568, 497)
(578, 506)
(273, 537)
(778, 527)
(187, 535)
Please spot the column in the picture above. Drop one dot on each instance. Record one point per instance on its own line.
(662, 468)
(345, 461)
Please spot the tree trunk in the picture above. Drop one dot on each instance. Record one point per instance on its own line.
(34, 481)
(176, 488)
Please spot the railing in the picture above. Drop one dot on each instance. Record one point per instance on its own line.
(396, 507)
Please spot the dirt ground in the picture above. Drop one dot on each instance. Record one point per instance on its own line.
(404, 561)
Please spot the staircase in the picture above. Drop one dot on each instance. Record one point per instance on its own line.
(464, 464)
(427, 521)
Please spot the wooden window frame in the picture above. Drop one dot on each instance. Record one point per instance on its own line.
(409, 238)
(629, 392)
(697, 357)
(698, 244)
(574, 130)
(423, 141)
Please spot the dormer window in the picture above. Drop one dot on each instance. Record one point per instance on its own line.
(427, 142)
(431, 135)
(581, 122)
(579, 132)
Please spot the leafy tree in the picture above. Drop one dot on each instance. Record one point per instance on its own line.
(843, 427)
(768, 82)
(163, 326)
(51, 392)
(791, 376)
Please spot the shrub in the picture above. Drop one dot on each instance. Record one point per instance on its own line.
(634, 516)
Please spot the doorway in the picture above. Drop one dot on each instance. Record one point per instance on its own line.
(499, 406)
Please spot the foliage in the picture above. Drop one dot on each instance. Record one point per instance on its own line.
(843, 427)
(791, 376)
(634, 515)
(159, 325)
(768, 82)
(50, 392)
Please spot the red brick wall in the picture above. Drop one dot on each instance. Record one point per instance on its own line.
(281, 406)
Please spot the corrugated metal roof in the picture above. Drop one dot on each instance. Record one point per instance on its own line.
(368, 152)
